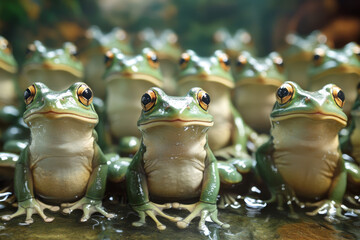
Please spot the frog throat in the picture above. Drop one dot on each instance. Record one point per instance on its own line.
(56, 115)
(135, 76)
(209, 78)
(259, 81)
(174, 122)
(340, 69)
(313, 115)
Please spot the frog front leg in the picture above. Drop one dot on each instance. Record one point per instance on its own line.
(24, 191)
(92, 201)
(137, 190)
(207, 204)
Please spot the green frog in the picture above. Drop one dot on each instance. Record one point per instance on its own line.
(256, 80)
(93, 56)
(302, 160)
(298, 55)
(57, 68)
(127, 77)
(167, 48)
(174, 162)
(341, 67)
(62, 163)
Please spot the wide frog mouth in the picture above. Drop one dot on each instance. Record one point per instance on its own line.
(56, 115)
(341, 69)
(259, 81)
(177, 122)
(53, 67)
(133, 76)
(207, 78)
(318, 115)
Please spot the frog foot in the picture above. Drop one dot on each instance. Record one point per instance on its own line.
(330, 207)
(89, 206)
(30, 207)
(152, 209)
(353, 199)
(286, 196)
(228, 199)
(202, 210)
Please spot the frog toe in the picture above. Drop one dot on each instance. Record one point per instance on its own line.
(228, 174)
(215, 219)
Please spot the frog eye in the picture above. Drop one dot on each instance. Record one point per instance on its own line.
(30, 50)
(109, 58)
(29, 94)
(318, 56)
(284, 93)
(5, 45)
(224, 61)
(279, 63)
(338, 95)
(203, 99)
(148, 100)
(152, 59)
(356, 50)
(184, 59)
(241, 61)
(85, 94)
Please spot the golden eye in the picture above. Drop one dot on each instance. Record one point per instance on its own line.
(29, 94)
(148, 100)
(241, 61)
(152, 59)
(224, 61)
(203, 99)
(184, 59)
(85, 94)
(284, 93)
(30, 50)
(5, 46)
(318, 56)
(279, 63)
(356, 51)
(109, 58)
(338, 95)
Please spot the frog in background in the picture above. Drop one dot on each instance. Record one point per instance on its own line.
(166, 46)
(302, 161)
(229, 136)
(298, 55)
(256, 80)
(93, 56)
(340, 66)
(126, 78)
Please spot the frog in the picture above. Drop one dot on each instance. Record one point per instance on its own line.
(126, 78)
(174, 162)
(166, 45)
(93, 56)
(57, 68)
(62, 128)
(338, 66)
(230, 136)
(256, 80)
(350, 145)
(298, 54)
(302, 161)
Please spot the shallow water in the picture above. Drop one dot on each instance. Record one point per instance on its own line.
(246, 223)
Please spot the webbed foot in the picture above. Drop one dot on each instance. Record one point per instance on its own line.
(329, 207)
(89, 206)
(228, 199)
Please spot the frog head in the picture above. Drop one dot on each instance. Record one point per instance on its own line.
(144, 66)
(204, 71)
(57, 68)
(73, 103)
(160, 109)
(324, 104)
(7, 60)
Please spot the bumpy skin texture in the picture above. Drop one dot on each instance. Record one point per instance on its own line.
(53, 168)
(295, 162)
(174, 171)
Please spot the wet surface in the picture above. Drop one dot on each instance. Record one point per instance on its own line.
(246, 223)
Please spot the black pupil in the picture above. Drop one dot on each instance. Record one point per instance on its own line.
(154, 58)
(182, 61)
(282, 92)
(206, 98)
(341, 95)
(227, 62)
(145, 99)
(28, 51)
(87, 93)
(239, 64)
(27, 94)
(316, 57)
(106, 59)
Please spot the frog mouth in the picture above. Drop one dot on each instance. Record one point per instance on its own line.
(259, 81)
(7, 67)
(134, 76)
(313, 115)
(337, 70)
(175, 122)
(207, 78)
(59, 67)
(55, 115)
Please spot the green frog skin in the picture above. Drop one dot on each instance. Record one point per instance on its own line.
(174, 162)
(127, 78)
(303, 158)
(256, 80)
(57, 68)
(167, 48)
(298, 55)
(62, 162)
(93, 56)
(8, 69)
(340, 67)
